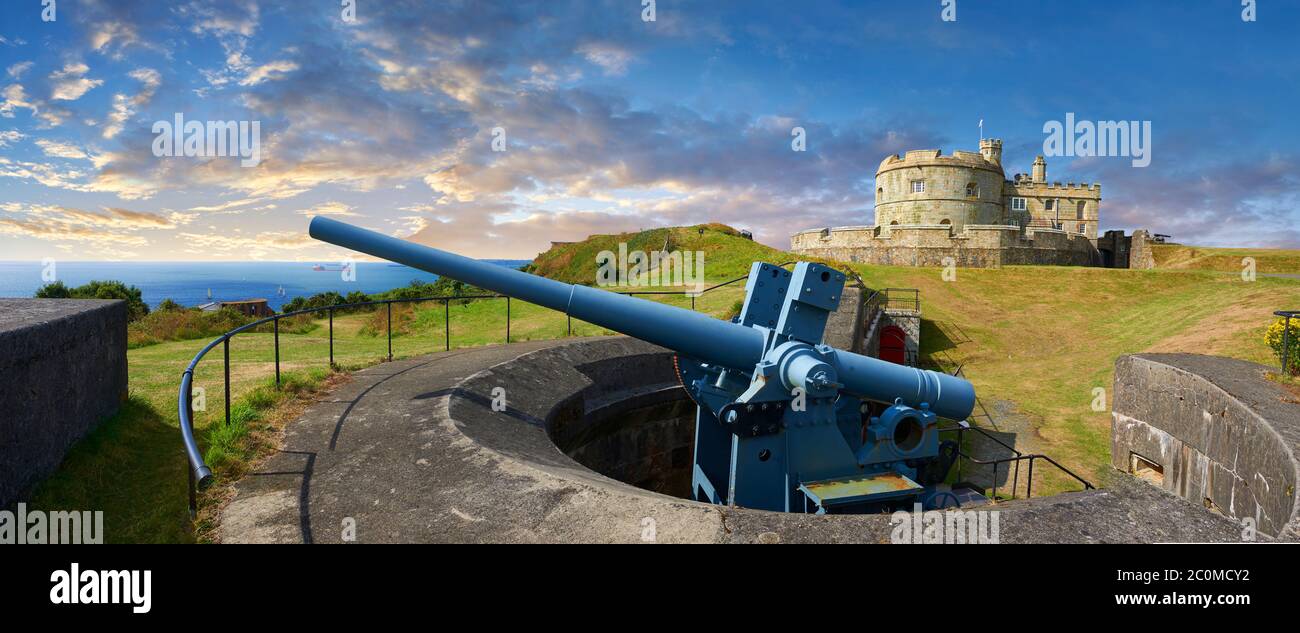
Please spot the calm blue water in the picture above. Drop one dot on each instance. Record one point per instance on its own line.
(188, 283)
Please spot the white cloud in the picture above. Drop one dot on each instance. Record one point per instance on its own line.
(14, 97)
(270, 71)
(16, 71)
(331, 208)
(61, 149)
(70, 83)
(124, 107)
(8, 137)
(611, 57)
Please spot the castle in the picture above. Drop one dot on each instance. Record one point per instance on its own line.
(931, 207)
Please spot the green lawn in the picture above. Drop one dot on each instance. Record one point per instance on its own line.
(132, 466)
(1039, 338)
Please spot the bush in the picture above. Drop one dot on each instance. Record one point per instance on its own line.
(136, 308)
(377, 324)
(1274, 338)
(182, 324)
(168, 304)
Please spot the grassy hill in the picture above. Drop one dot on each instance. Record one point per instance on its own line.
(1180, 257)
(1035, 341)
(727, 255)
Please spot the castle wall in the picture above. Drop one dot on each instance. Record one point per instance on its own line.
(945, 199)
(1068, 196)
(979, 246)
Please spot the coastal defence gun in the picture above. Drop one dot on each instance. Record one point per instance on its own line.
(782, 421)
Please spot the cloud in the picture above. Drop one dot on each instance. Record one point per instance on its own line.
(15, 96)
(16, 71)
(62, 149)
(268, 243)
(611, 57)
(9, 137)
(69, 84)
(331, 208)
(272, 70)
(124, 107)
(111, 226)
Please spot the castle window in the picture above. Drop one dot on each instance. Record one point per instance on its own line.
(1018, 204)
(1047, 204)
(972, 190)
(1079, 210)
(1083, 228)
(918, 186)
(880, 192)
(945, 222)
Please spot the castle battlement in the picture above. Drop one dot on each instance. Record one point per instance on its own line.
(964, 205)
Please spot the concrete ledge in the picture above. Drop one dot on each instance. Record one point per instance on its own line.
(1212, 430)
(62, 372)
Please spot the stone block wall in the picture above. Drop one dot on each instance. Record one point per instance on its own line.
(1212, 430)
(62, 372)
(979, 246)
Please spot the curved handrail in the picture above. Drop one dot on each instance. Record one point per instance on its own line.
(200, 475)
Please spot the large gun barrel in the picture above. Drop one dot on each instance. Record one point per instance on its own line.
(684, 331)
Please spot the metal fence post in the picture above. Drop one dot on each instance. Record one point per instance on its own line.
(569, 318)
(277, 352)
(189, 412)
(1286, 346)
(446, 322)
(226, 350)
(507, 319)
(331, 338)
(390, 330)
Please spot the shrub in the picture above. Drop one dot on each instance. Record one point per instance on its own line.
(182, 324)
(377, 324)
(1274, 338)
(136, 308)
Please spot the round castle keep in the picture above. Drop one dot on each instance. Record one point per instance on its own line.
(937, 210)
(924, 187)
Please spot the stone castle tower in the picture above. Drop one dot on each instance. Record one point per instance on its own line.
(930, 207)
(926, 188)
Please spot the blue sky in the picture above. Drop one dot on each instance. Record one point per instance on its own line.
(614, 123)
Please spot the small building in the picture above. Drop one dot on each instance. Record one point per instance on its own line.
(248, 307)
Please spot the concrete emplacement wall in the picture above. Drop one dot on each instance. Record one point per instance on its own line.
(1212, 430)
(63, 363)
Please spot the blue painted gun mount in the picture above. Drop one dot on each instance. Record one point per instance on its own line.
(783, 420)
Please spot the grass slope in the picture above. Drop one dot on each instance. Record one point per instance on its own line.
(1180, 257)
(1035, 339)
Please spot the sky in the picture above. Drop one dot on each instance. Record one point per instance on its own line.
(492, 129)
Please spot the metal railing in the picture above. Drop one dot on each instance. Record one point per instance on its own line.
(1286, 337)
(200, 475)
(1015, 458)
(902, 299)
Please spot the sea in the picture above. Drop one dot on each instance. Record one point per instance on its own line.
(195, 283)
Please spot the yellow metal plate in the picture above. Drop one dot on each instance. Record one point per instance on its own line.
(831, 491)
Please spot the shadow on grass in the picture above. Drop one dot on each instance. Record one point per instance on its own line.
(130, 467)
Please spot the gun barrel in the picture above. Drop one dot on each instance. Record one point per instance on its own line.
(684, 331)
(690, 333)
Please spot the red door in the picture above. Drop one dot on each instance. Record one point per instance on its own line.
(893, 345)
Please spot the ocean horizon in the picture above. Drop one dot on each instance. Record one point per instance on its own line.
(194, 283)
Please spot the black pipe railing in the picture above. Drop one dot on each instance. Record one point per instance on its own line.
(1286, 337)
(1015, 458)
(200, 475)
